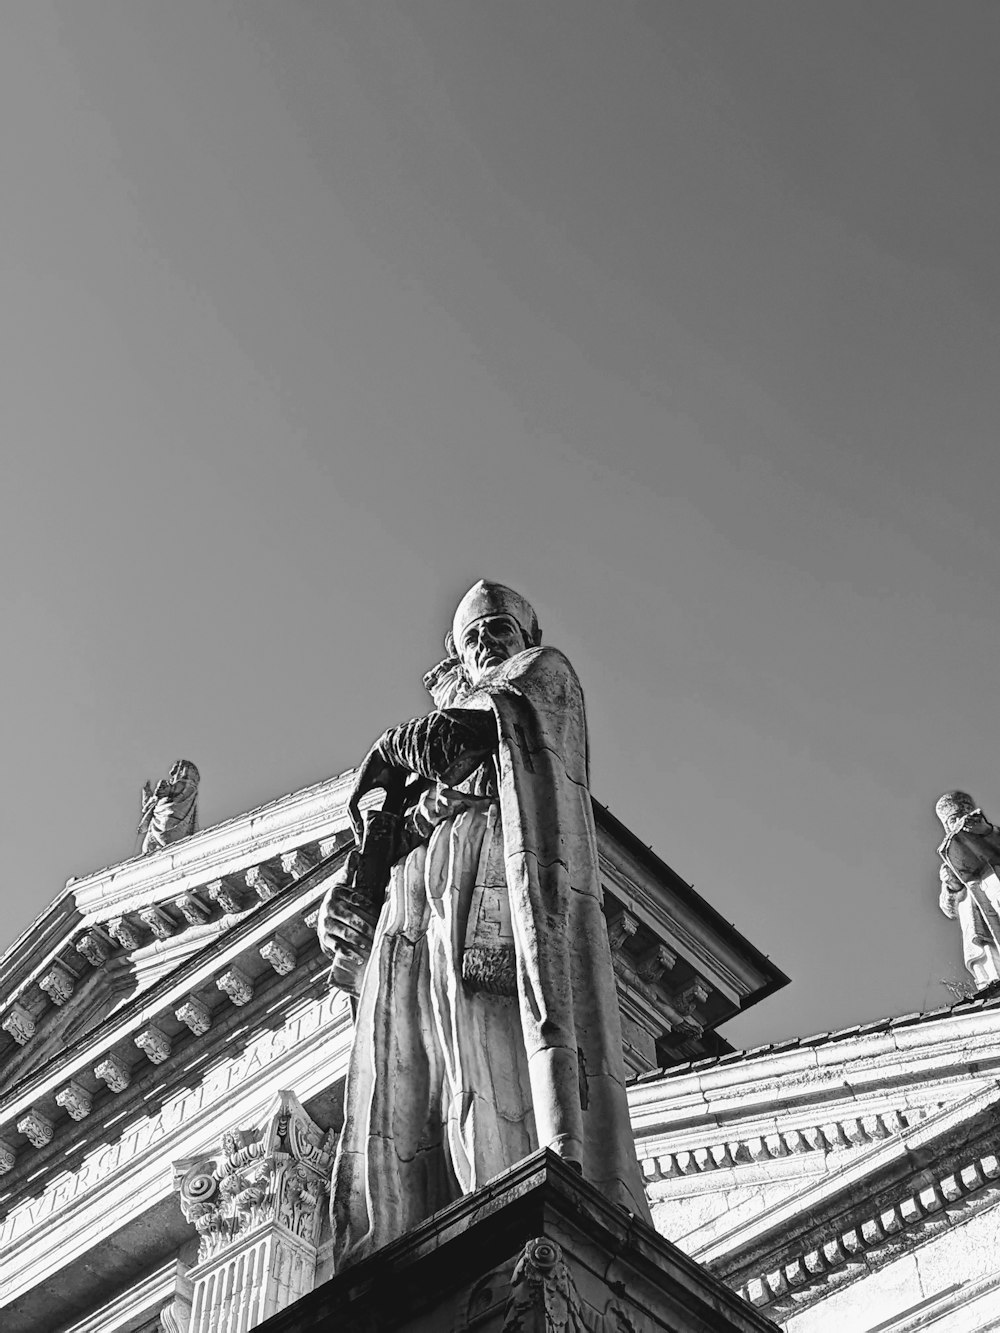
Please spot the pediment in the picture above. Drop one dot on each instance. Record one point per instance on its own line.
(113, 935)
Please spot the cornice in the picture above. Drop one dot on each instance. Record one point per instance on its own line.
(220, 976)
(882, 1202)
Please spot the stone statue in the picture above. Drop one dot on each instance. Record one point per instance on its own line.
(970, 889)
(170, 809)
(487, 1019)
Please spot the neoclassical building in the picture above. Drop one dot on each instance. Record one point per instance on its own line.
(173, 1073)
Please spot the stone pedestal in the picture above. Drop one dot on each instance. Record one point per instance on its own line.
(539, 1250)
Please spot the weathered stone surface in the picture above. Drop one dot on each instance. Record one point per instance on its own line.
(159, 922)
(126, 932)
(194, 1014)
(170, 809)
(279, 954)
(263, 882)
(226, 896)
(154, 1043)
(192, 909)
(113, 1071)
(37, 1128)
(235, 983)
(76, 1100)
(20, 1023)
(494, 868)
(94, 947)
(537, 1251)
(58, 983)
(970, 886)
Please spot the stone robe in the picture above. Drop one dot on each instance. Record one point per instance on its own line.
(449, 1085)
(970, 894)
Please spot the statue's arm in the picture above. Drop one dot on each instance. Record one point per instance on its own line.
(446, 745)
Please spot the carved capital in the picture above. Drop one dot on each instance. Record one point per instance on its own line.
(95, 947)
(262, 881)
(694, 993)
(20, 1023)
(279, 954)
(227, 898)
(162, 925)
(126, 932)
(653, 962)
(192, 909)
(194, 1014)
(75, 1099)
(298, 862)
(276, 1175)
(57, 983)
(621, 929)
(154, 1043)
(113, 1071)
(237, 985)
(36, 1127)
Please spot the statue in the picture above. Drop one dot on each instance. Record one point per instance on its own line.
(170, 809)
(970, 888)
(487, 1019)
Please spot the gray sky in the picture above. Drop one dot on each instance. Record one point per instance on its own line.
(680, 317)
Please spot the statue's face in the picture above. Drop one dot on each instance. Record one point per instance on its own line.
(488, 642)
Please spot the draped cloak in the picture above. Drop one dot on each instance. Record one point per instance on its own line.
(448, 1086)
(973, 859)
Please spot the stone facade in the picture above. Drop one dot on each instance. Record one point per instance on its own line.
(170, 1001)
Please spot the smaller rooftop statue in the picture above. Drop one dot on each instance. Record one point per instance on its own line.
(970, 888)
(170, 809)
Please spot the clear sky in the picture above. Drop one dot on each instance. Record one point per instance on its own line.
(682, 318)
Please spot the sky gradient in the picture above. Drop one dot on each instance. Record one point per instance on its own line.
(680, 318)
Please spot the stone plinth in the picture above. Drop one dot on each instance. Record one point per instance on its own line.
(537, 1249)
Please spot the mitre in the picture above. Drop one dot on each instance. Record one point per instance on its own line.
(954, 805)
(494, 599)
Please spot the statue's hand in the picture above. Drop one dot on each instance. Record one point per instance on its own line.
(346, 927)
(375, 771)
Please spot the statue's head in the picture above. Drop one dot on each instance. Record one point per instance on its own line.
(184, 771)
(491, 624)
(954, 809)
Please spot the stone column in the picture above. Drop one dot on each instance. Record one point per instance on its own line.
(258, 1206)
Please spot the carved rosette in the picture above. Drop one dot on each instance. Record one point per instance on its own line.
(154, 1044)
(237, 985)
(75, 1099)
(20, 1023)
(280, 955)
(195, 1015)
(57, 983)
(275, 1176)
(37, 1128)
(113, 1071)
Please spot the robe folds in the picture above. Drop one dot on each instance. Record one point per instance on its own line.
(449, 1085)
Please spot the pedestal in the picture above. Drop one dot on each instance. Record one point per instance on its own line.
(538, 1250)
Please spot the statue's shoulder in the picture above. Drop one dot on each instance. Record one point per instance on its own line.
(544, 666)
